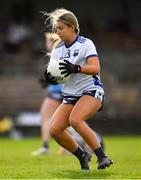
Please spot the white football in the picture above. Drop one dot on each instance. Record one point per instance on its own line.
(53, 69)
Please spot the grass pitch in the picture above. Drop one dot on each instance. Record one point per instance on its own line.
(16, 161)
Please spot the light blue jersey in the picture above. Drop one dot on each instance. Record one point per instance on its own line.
(77, 53)
(54, 88)
(54, 92)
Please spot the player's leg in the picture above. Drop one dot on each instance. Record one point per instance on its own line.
(101, 140)
(59, 122)
(80, 141)
(48, 107)
(86, 107)
(88, 148)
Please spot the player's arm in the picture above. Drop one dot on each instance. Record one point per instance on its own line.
(92, 67)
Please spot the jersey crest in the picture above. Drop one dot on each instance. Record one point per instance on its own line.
(76, 52)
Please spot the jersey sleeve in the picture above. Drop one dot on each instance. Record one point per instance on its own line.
(90, 49)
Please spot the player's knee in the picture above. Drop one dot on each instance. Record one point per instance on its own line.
(75, 121)
(53, 132)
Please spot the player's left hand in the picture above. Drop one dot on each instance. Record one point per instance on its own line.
(68, 68)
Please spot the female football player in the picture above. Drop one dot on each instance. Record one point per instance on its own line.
(51, 103)
(82, 94)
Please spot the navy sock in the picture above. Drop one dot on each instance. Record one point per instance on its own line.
(99, 153)
(45, 144)
(78, 153)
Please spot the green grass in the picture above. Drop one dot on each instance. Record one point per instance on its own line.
(16, 161)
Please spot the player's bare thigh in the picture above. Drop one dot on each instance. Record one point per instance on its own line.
(86, 107)
(60, 119)
(48, 108)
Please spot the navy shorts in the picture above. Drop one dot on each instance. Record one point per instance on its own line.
(98, 94)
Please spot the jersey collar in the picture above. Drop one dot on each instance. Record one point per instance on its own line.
(67, 46)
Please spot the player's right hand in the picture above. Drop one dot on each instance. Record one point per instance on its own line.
(49, 78)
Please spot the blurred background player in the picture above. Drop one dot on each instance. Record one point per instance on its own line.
(51, 103)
